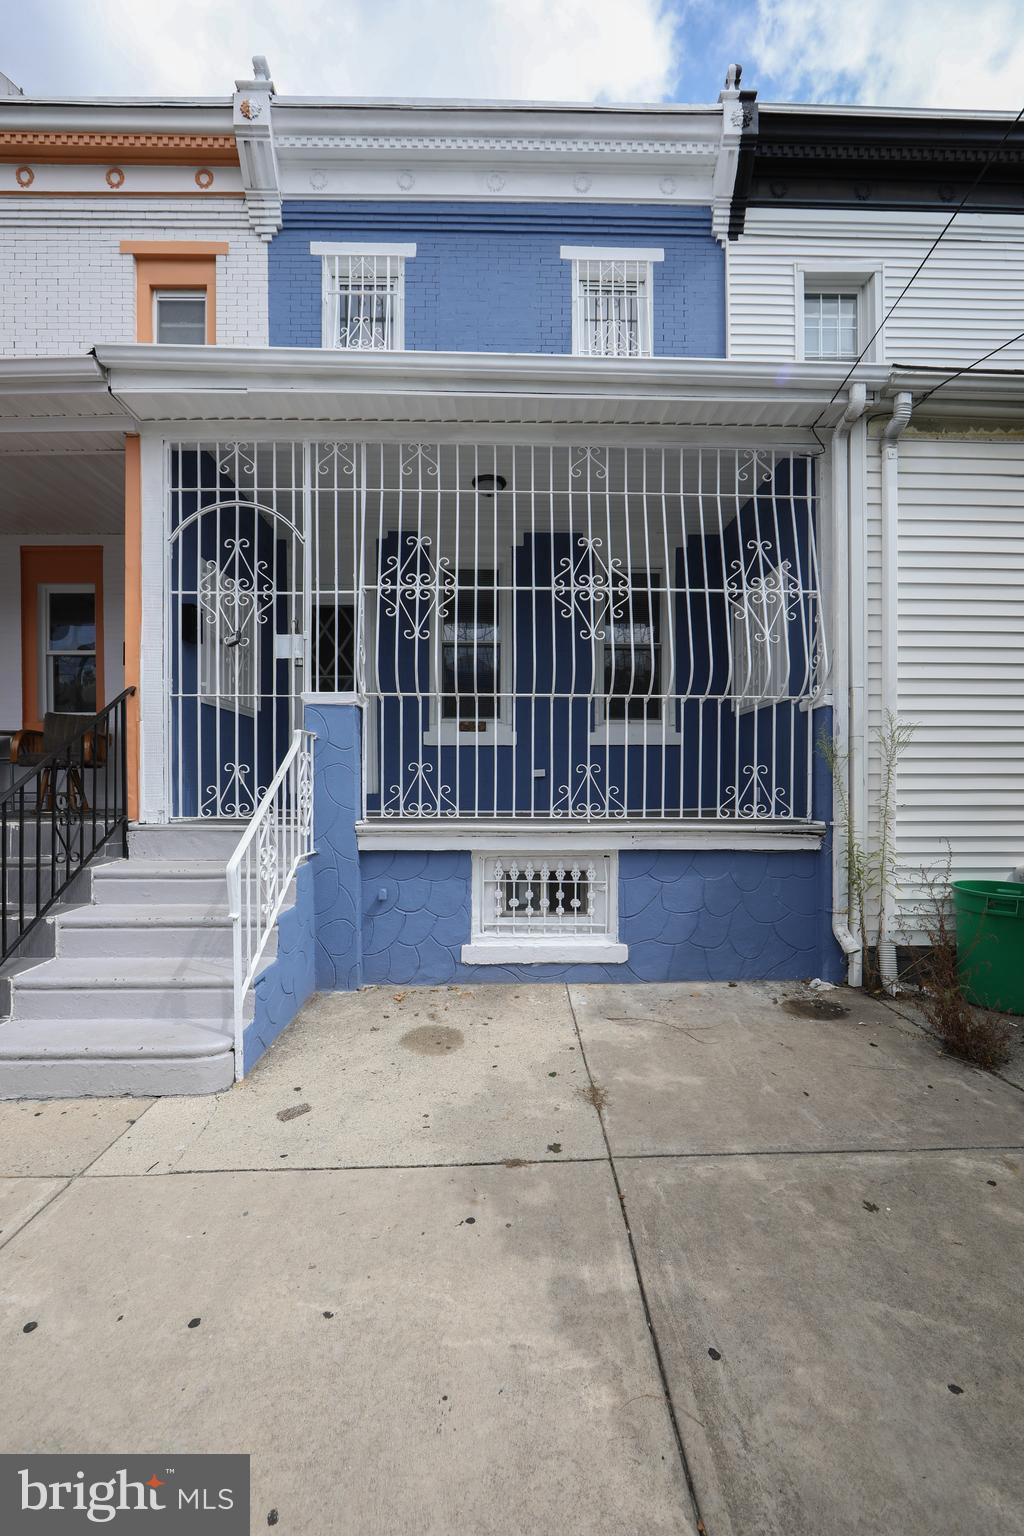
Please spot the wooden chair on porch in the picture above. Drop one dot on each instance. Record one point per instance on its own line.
(30, 746)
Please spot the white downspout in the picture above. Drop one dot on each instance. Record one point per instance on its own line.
(842, 696)
(893, 430)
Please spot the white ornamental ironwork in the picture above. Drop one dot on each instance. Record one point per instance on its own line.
(588, 796)
(228, 594)
(594, 588)
(420, 796)
(414, 587)
(763, 595)
(754, 798)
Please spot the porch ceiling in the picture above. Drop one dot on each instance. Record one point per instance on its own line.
(77, 491)
(307, 385)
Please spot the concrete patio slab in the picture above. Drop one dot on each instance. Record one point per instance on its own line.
(847, 1296)
(722, 1068)
(20, 1200)
(420, 1076)
(54, 1137)
(429, 1350)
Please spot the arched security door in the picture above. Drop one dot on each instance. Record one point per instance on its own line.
(237, 629)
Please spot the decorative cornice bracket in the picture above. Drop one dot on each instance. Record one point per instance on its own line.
(252, 121)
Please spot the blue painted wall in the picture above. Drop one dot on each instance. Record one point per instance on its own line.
(711, 915)
(489, 277)
(335, 864)
(289, 981)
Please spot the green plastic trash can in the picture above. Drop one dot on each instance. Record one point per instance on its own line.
(990, 942)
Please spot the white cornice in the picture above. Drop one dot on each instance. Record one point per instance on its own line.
(495, 144)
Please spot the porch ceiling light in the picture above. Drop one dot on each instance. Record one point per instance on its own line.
(488, 484)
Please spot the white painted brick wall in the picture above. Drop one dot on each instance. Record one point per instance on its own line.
(65, 287)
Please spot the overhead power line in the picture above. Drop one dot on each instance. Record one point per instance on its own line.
(989, 158)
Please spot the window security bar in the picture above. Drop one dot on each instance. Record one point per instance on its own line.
(363, 299)
(612, 308)
(554, 634)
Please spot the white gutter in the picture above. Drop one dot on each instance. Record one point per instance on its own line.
(847, 698)
(894, 427)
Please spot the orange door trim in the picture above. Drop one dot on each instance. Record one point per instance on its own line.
(46, 565)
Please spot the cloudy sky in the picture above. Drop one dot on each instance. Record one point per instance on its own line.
(955, 53)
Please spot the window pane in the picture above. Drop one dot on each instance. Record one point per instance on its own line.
(632, 656)
(181, 320)
(470, 650)
(73, 684)
(830, 325)
(72, 621)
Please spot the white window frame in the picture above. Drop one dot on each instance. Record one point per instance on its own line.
(331, 253)
(584, 256)
(45, 652)
(159, 294)
(497, 732)
(761, 662)
(655, 729)
(866, 283)
(490, 945)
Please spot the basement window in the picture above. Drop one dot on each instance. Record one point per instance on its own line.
(537, 908)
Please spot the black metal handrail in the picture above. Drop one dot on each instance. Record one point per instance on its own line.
(78, 794)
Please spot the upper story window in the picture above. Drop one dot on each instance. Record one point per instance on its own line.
(612, 301)
(180, 317)
(831, 326)
(363, 295)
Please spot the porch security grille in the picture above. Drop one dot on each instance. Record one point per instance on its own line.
(547, 633)
(363, 302)
(612, 308)
(534, 895)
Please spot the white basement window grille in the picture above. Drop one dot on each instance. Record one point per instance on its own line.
(612, 301)
(544, 907)
(363, 296)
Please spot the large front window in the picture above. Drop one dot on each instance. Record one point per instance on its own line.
(471, 651)
(633, 650)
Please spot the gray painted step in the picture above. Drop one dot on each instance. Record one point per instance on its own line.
(68, 989)
(201, 882)
(142, 1057)
(176, 930)
(184, 840)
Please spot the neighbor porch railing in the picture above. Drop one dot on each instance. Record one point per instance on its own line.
(263, 865)
(57, 815)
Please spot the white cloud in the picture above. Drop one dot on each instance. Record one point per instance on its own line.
(578, 50)
(911, 53)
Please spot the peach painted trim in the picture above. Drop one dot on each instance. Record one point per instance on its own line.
(121, 192)
(43, 565)
(101, 148)
(174, 248)
(133, 609)
(192, 271)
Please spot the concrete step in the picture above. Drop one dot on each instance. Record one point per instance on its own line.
(199, 882)
(184, 840)
(61, 1058)
(171, 989)
(174, 930)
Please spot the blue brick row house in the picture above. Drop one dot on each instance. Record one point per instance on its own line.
(495, 594)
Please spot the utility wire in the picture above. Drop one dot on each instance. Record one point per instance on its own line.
(968, 367)
(993, 152)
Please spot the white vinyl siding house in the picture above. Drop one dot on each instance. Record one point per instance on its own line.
(968, 298)
(960, 655)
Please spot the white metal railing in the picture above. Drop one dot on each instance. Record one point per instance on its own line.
(263, 865)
